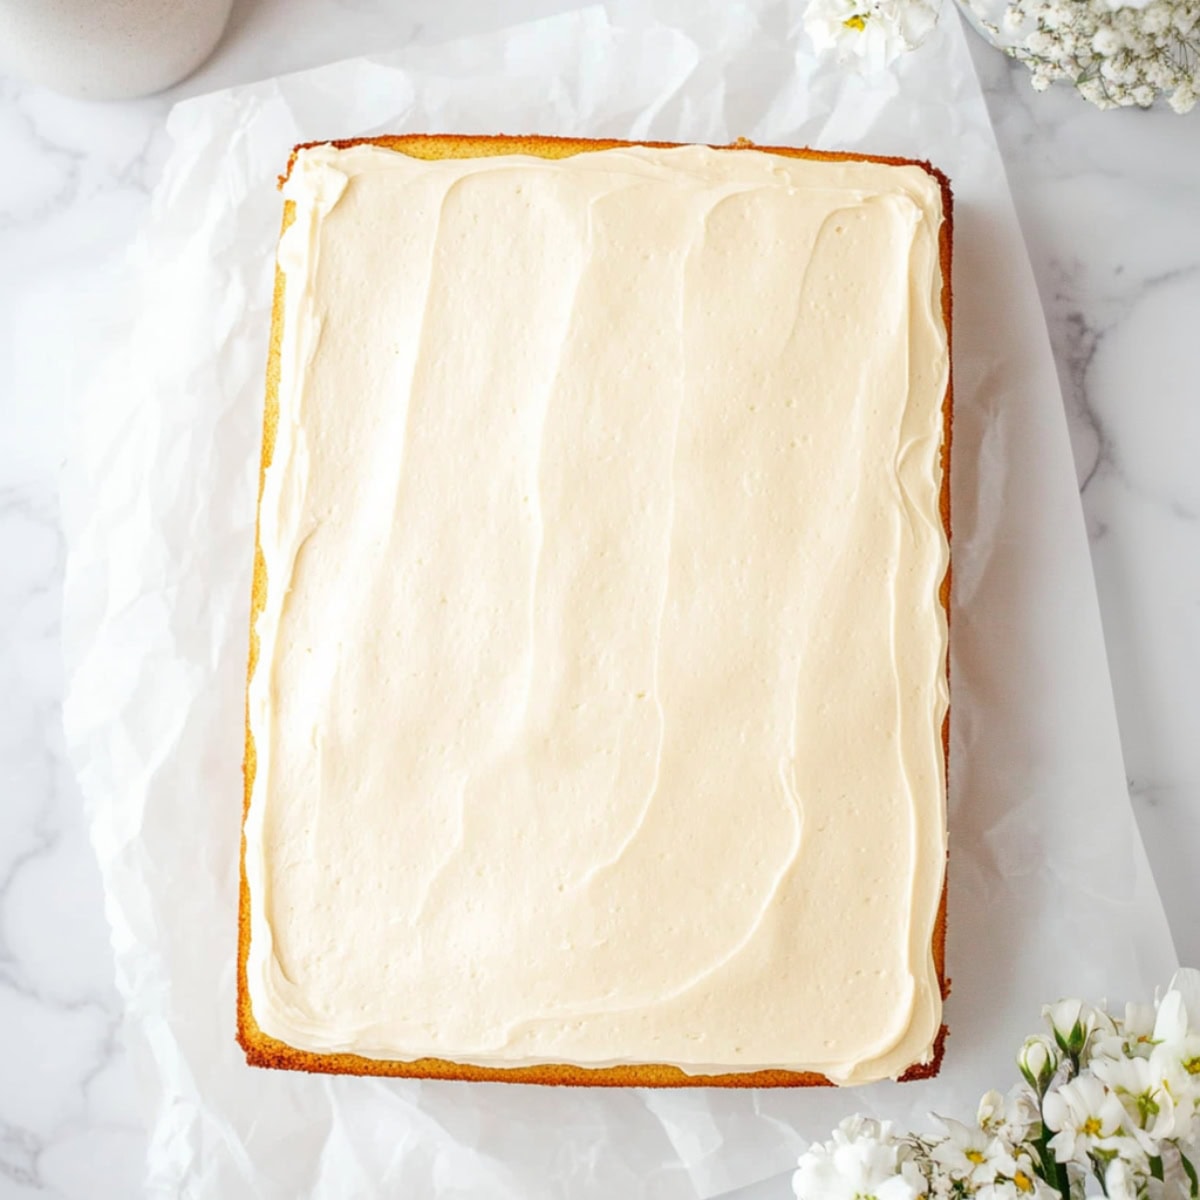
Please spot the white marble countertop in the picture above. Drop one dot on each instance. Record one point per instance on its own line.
(1110, 207)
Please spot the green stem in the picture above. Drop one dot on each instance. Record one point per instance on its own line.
(1156, 1167)
(1053, 1172)
(1042, 1143)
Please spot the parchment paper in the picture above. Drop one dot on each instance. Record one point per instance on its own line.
(1050, 890)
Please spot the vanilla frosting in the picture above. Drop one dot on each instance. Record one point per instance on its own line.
(598, 713)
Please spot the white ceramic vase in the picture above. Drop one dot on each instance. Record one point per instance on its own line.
(108, 49)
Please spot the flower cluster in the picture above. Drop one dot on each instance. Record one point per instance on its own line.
(1113, 1100)
(1117, 53)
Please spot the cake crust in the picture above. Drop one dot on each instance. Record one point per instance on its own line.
(265, 1051)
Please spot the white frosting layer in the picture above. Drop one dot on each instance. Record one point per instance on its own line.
(602, 670)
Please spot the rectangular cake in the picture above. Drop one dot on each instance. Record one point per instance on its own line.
(598, 699)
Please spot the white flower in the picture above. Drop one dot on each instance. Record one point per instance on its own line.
(970, 1154)
(1126, 1180)
(1158, 75)
(1119, 1183)
(1144, 1095)
(1024, 1115)
(874, 32)
(864, 1161)
(1119, 74)
(991, 1112)
(1175, 1058)
(1134, 1036)
(1155, 19)
(1054, 17)
(1014, 1117)
(1179, 1009)
(1106, 40)
(1084, 1116)
(1183, 99)
(1025, 1186)
(1175, 1064)
(1139, 1021)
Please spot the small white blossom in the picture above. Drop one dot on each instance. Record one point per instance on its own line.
(864, 1161)
(1092, 90)
(1158, 75)
(1183, 99)
(1184, 19)
(1121, 73)
(1155, 20)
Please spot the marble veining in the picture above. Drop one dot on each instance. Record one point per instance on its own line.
(1107, 202)
(65, 1083)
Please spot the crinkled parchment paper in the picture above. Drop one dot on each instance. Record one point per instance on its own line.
(1050, 890)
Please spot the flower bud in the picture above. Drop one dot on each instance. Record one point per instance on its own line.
(1038, 1058)
(1066, 1025)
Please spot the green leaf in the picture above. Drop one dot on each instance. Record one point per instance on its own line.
(1063, 1180)
(1190, 1172)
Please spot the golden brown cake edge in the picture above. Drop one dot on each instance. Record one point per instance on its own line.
(264, 1051)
